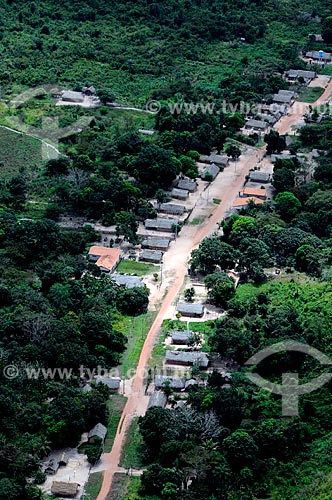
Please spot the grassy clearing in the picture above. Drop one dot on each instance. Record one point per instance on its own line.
(196, 221)
(131, 455)
(115, 407)
(93, 487)
(138, 268)
(17, 152)
(310, 94)
(127, 488)
(327, 70)
(135, 329)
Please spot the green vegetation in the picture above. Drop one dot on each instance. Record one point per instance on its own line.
(93, 487)
(135, 329)
(115, 406)
(18, 152)
(311, 94)
(137, 268)
(131, 456)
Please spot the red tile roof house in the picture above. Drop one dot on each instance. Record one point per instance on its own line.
(107, 259)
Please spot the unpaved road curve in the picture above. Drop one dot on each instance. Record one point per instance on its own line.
(286, 123)
(176, 262)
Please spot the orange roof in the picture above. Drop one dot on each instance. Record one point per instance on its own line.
(108, 257)
(254, 191)
(109, 261)
(242, 202)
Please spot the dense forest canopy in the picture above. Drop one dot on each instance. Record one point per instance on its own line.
(57, 311)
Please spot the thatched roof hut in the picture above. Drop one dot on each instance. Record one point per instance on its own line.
(63, 489)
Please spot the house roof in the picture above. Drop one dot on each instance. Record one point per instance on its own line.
(161, 223)
(259, 176)
(72, 95)
(284, 156)
(174, 382)
(112, 383)
(156, 255)
(219, 159)
(243, 202)
(211, 170)
(187, 184)
(182, 193)
(87, 388)
(103, 251)
(190, 383)
(314, 54)
(186, 307)
(291, 93)
(172, 208)
(154, 241)
(193, 357)
(254, 191)
(282, 98)
(61, 488)
(256, 124)
(297, 73)
(271, 119)
(127, 281)
(158, 399)
(108, 257)
(183, 336)
(98, 430)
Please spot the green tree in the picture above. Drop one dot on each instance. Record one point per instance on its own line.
(287, 205)
(189, 294)
(221, 288)
(127, 225)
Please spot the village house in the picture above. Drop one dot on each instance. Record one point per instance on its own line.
(157, 400)
(154, 256)
(211, 171)
(182, 338)
(281, 156)
(105, 258)
(145, 131)
(253, 192)
(89, 90)
(319, 56)
(239, 203)
(186, 358)
(72, 96)
(258, 176)
(167, 225)
(187, 185)
(179, 194)
(172, 209)
(113, 384)
(175, 383)
(155, 243)
(257, 125)
(99, 431)
(64, 489)
(220, 160)
(283, 98)
(127, 281)
(190, 310)
(315, 37)
(293, 75)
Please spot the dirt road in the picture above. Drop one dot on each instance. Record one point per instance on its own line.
(228, 184)
(288, 123)
(175, 265)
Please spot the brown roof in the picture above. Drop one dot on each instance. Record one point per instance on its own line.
(108, 261)
(101, 251)
(108, 257)
(63, 489)
(242, 202)
(254, 191)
